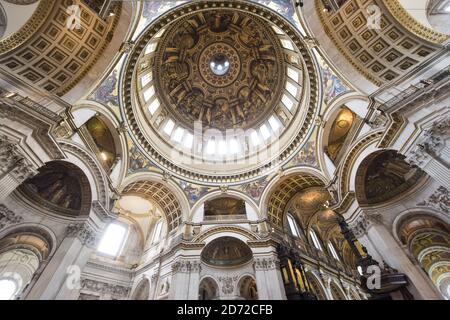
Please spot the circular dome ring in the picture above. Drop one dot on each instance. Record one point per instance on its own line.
(129, 109)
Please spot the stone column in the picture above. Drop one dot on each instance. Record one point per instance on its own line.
(376, 233)
(185, 280)
(269, 281)
(14, 168)
(432, 152)
(61, 277)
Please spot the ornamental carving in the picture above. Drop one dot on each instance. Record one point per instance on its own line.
(186, 266)
(13, 162)
(8, 217)
(439, 200)
(227, 284)
(84, 233)
(254, 69)
(430, 143)
(105, 288)
(266, 263)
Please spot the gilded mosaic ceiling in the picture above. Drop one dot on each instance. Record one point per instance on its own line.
(247, 90)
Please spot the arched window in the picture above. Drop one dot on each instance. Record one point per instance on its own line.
(113, 239)
(8, 289)
(293, 226)
(157, 231)
(333, 251)
(315, 239)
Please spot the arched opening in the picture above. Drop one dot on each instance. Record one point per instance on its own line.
(339, 133)
(61, 188)
(102, 141)
(337, 292)
(225, 208)
(384, 175)
(315, 286)
(142, 291)
(226, 252)
(208, 289)
(428, 239)
(22, 253)
(247, 288)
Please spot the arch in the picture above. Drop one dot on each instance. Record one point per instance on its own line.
(164, 193)
(247, 288)
(61, 188)
(142, 291)
(84, 110)
(316, 286)
(384, 175)
(81, 157)
(208, 289)
(233, 231)
(194, 212)
(169, 183)
(336, 291)
(281, 189)
(427, 238)
(9, 235)
(227, 252)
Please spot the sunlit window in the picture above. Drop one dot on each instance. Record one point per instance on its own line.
(178, 134)
(112, 240)
(287, 44)
(291, 89)
(274, 123)
(287, 102)
(333, 251)
(149, 93)
(234, 146)
(150, 48)
(222, 147)
(157, 231)
(168, 128)
(254, 138)
(293, 226)
(293, 74)
(153, 106)
(264, 132)
(7, 289)
(146, 79)
(277, 30)
(188, 140)
(211, 146)
(315, 239)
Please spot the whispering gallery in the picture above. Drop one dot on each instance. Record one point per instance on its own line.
(224, 150)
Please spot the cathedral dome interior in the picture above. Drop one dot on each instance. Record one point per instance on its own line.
(224, 150)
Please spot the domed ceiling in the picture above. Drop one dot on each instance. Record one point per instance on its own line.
(219, 92)
(223, 68)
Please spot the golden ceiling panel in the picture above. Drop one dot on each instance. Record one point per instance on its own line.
(161, 195)
(284, 191)
(50, 55)
(381, 55)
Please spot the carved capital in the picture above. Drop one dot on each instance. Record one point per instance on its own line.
(84, 233)
(363, 222)
(186, 266)
(439, 200)
(8, 217)
(264, 264)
